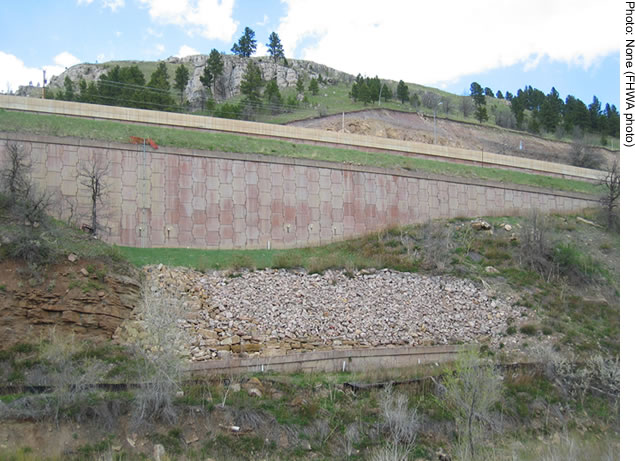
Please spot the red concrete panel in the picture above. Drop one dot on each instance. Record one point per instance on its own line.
(252, 219)
(172, 217)
(252, 205)
(172, 174)
(198, 170)
(185, 238)
(199, 232)
(211, 167)
(289, 214)
(185, 195)
(226, 204)
(185, 181)
(212, 238)
(251, 191)
(226, 218)
(288, 172)
(277, 206)
(185, 224)
(199, 189)
(313, 175)
(226, 233)
(185, 166)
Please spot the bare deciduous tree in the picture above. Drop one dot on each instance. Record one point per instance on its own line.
(430, 100)
(446, 104)
(470, 391)
(467, 106)
(92, 174)
(15, 170)
(611, 196)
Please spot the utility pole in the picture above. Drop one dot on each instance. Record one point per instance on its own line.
(43, 83)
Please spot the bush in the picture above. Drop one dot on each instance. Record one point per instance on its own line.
(529, 330)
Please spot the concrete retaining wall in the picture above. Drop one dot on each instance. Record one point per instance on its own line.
(358, 360)
(185, 198)
(337, 139)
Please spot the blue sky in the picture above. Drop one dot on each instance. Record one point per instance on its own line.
(501, 44)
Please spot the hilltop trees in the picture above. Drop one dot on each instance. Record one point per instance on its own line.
(366, 89)
(246, 45)
(274, 47)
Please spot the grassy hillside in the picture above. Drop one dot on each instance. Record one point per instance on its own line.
(120, 132)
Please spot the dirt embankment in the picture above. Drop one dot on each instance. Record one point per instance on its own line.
(410, 126)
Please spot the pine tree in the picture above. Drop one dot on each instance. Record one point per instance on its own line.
(251, 84)
(481, 113)
(274, 47)
(273, 96)
(476, 91)
(299, 85)
(402, 91)
(181, 79)
(212, 71)
(160, 78)
(69, 92)
(246, 45)
(313, 87)
(386, 92)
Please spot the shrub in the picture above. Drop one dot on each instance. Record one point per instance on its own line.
(529, 330)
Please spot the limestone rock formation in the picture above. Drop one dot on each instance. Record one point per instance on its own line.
(228, 84)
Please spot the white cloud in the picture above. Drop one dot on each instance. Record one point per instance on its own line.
(211, 19)
(264, 22)
(114, 5)
(154, 33)
(159, 48)
(13, 71)
(261, 49)
(186, 51)
(435, 42)
(65, 59)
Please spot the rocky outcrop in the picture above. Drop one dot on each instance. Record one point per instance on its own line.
(228, 84)
(89, 306)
